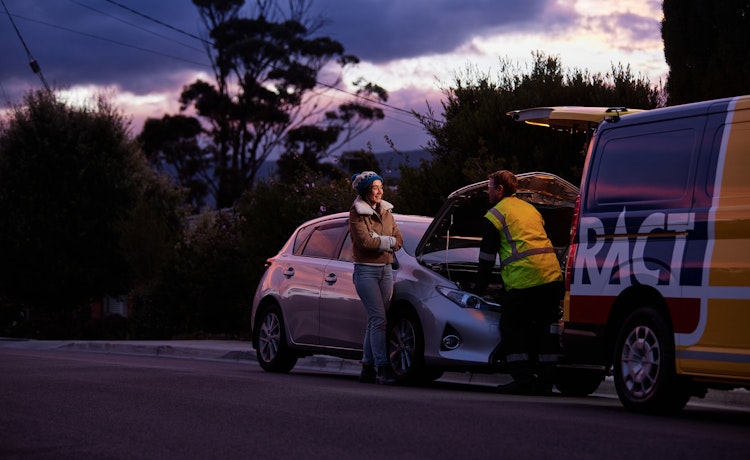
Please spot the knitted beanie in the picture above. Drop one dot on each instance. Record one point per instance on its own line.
(361, 182)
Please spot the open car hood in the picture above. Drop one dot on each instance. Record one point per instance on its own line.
(460, 221)
(570, 118)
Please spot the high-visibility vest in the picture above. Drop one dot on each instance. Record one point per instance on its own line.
(526, 254)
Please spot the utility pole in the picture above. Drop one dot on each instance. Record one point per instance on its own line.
(32, 62)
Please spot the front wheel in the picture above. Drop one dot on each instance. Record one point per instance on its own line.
(273, 354)
(406, 348)
(644, 365)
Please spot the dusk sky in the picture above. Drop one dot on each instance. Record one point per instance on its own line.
(142, 52)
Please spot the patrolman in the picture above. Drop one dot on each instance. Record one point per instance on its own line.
(532, 279)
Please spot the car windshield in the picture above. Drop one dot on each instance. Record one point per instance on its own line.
(412, 232)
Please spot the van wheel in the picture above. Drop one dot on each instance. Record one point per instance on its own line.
(273, 353)
(644, 365)
(406, 347)
(577, 382)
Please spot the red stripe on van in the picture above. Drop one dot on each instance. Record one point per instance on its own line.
(685, 314)
(595, 310)
(592, 309)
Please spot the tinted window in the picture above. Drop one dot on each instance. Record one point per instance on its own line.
(302, 235)
(645, 168)
(346, 249)
(324, 241)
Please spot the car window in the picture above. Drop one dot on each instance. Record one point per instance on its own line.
(410, 231)
(324, 241)
(301, 238)
(346, 249)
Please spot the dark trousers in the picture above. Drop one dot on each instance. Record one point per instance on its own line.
(529, 331)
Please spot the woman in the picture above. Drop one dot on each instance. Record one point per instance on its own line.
(375, 237)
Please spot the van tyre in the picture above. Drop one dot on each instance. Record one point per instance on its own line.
(644, 365)
(272, 351)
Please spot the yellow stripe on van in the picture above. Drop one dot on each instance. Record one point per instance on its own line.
(730, 264)
(719, 370)
(724, 346)
(730, 318)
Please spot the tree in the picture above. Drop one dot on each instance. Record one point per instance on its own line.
(262, 100)
(475, 137)
(73, 189)
(173, 142)
(282, 206)
(706, 45)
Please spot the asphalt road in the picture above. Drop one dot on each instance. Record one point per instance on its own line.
(57, 403)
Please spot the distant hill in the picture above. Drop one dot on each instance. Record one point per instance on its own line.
(389, 163)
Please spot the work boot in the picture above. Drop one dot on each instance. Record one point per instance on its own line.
(545, 379)
(385, 376)
(368, 373)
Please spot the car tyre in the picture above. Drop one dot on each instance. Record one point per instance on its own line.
(644, 365)
(406, 347)
(272, 351)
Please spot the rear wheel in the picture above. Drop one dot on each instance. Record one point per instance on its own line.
(273, 354)
(644, 365)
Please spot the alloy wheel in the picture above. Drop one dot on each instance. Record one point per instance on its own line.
(641, 361)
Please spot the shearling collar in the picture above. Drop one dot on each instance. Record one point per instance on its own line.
(362, 207)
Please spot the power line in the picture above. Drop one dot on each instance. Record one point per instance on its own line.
(161, 23)
(398, 109)
(127, 45)
(32, 62)
(103, 13)
(395, 110)
(177, 29)
(193, 36)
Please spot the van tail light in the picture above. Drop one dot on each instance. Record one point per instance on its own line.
(573, 244)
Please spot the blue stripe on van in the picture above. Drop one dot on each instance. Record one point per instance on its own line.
(713, 356)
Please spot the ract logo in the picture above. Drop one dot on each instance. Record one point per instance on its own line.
(651, 250)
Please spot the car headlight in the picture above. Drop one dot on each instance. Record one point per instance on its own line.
(467, 300)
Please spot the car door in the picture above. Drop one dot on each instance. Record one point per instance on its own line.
(342, 317)
(304, 273)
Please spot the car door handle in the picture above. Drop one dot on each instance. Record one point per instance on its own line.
(330, 279)
(289, 272)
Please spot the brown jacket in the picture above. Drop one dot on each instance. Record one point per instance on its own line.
(366, 225)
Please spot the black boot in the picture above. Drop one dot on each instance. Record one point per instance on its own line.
(523, 379)
(385, 376)
(545, 379)
(368, 373)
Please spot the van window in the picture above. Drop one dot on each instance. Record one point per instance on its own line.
(645, 170)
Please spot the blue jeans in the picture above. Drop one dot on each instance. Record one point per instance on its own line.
(374, 286)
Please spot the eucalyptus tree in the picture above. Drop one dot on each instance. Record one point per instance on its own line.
(266, 97)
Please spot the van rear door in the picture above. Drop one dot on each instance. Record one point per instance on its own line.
(570, 118)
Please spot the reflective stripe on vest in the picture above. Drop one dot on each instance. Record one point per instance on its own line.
(515, 254)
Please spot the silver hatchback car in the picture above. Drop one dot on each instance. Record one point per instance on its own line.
(306, 304)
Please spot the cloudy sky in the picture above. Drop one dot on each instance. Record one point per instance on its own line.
(142, 52)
